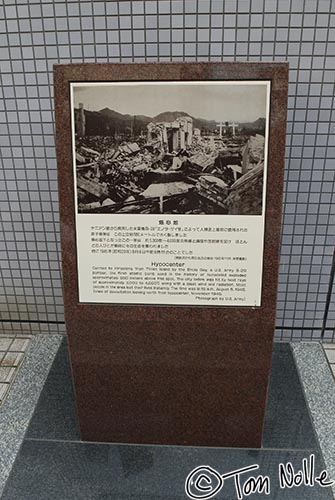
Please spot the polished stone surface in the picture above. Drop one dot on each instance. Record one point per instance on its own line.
(67, 470)
(287, 423)
(55, 416)
(54, 464)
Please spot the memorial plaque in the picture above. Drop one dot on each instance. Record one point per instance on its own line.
(170, 182)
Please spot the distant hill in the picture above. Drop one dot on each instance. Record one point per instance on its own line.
(114, 115)
(256, 127)
(108, 122)
(169, 116)
(96, 124)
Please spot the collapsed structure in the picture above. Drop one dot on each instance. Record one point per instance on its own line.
(172, 136)
(176, 168)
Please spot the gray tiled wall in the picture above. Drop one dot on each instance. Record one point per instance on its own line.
(37, 34)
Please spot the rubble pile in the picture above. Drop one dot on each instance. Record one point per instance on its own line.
(245, 196)
(182, 174)
(213, 189)
(253, 152)
(203, 162)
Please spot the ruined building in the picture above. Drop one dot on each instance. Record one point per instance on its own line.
(173, 136)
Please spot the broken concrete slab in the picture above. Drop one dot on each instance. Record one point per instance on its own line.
(213, 189)
(89, 151)
(92, 187)
(203, 161)
(167, 189)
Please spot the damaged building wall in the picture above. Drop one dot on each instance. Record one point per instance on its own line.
(173, 136)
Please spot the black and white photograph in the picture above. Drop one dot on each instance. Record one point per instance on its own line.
(170, 147)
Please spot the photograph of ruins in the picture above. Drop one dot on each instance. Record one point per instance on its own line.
(170, 148)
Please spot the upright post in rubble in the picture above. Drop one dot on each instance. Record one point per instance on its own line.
(233, 126)
(182, 138)
(80, 121)
(175, 138)
(189, 131)
(226, 126)
(133, 127)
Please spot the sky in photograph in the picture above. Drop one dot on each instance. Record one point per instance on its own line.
(239, 102)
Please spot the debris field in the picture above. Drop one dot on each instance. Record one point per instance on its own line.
(154, 174)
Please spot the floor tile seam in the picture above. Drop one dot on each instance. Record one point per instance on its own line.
(330, 363)
(232, 448)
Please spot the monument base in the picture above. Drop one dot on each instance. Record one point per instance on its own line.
(52, 455)
(137, 385)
